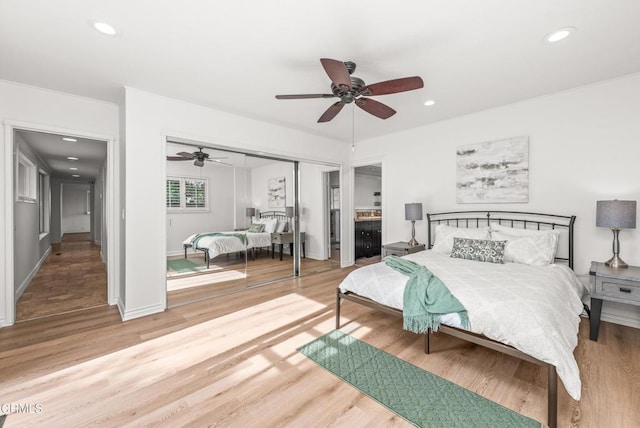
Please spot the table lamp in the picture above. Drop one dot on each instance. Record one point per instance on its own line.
(616, 215)
(413, 212)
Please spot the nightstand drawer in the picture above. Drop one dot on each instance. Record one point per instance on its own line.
(399, 253)
(628, 290)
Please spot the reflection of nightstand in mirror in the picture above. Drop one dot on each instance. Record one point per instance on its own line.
(400, 249)
(282, 238)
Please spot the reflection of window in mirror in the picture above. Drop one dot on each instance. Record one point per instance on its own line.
(335, 198)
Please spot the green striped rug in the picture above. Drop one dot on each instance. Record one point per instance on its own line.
(418, 396)
(183, 265)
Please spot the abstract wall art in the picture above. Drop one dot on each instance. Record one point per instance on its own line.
(493, 171)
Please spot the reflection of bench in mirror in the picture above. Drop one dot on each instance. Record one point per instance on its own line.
(282, 238)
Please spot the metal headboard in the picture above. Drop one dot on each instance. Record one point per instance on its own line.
(280, 215)
(518, 219)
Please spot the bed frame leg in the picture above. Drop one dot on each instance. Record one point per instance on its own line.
(427, 344)
(552, 398)
(337, 308)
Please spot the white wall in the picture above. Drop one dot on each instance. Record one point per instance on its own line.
(364, 187)
(19, 103)
(584, 146)
(221, 196)
(74, 208)
(312, 210)
(260, 179)
(30, 249)
(147, 119)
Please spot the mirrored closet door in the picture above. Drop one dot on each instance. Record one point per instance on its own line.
(206, 200)
(271, 200)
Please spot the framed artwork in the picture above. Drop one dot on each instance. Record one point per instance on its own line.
(493, 171)
(276, 192)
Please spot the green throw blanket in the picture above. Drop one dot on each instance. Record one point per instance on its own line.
(425, 297)
(194, 242)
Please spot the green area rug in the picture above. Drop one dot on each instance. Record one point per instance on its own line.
(183, 265)
(418, 396)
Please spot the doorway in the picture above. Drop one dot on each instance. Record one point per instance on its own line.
(368, 215)
(40, 162)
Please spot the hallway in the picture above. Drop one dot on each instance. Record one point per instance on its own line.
(72, 278)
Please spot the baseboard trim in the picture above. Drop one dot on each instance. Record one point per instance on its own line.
(619, 319)
(23, 287)
(140, 312)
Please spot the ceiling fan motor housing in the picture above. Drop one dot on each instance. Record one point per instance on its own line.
(346, 95)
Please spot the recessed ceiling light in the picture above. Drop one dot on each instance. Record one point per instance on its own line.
(560, 34)
(75, 175)
(104, 28)
(429, 103)
(73, 168)
(72, 140)
(72, 158)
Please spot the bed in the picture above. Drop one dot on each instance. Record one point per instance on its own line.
(530, 311)
(213, 244)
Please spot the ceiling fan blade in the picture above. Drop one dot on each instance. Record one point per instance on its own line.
(303, 96)
(331, 112)
(376, 108)
(177, 158)
(337, 72)
(393, 86)
(186, 155)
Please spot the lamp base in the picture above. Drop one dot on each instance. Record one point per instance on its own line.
(616, 262)
(413, 242)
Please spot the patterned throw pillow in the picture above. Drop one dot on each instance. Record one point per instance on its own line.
(481, 250)
(256, 228)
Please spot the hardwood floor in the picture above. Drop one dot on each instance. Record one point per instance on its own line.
(72, 278)
(232, 361)
(231, 275)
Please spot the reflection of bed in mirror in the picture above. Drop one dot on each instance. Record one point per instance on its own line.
(214, 244)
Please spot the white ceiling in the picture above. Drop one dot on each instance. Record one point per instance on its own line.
(52, 149)
(235, 56)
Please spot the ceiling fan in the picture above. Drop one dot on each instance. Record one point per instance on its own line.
(199, 157)
(353, 89)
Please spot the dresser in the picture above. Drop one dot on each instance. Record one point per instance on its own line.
(368, 238)
(620, 285)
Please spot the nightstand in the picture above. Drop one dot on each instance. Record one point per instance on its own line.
(616, 285)
(282, 238)
(400, 249)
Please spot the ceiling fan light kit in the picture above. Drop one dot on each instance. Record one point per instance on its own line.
(351, 89)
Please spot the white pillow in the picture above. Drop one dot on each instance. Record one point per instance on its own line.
(269, 224)
(282, 226)
(444, 236)
(532, 250)
(549, 241)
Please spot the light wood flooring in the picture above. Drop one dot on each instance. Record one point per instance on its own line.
(232, 361)
(230, 275)
(72, 278)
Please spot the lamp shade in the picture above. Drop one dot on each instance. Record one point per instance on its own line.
(616, 214)
(251, 212)
(413, 211)
(288, 211)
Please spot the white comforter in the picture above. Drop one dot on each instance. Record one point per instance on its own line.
(223, 244)
(535, 309)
